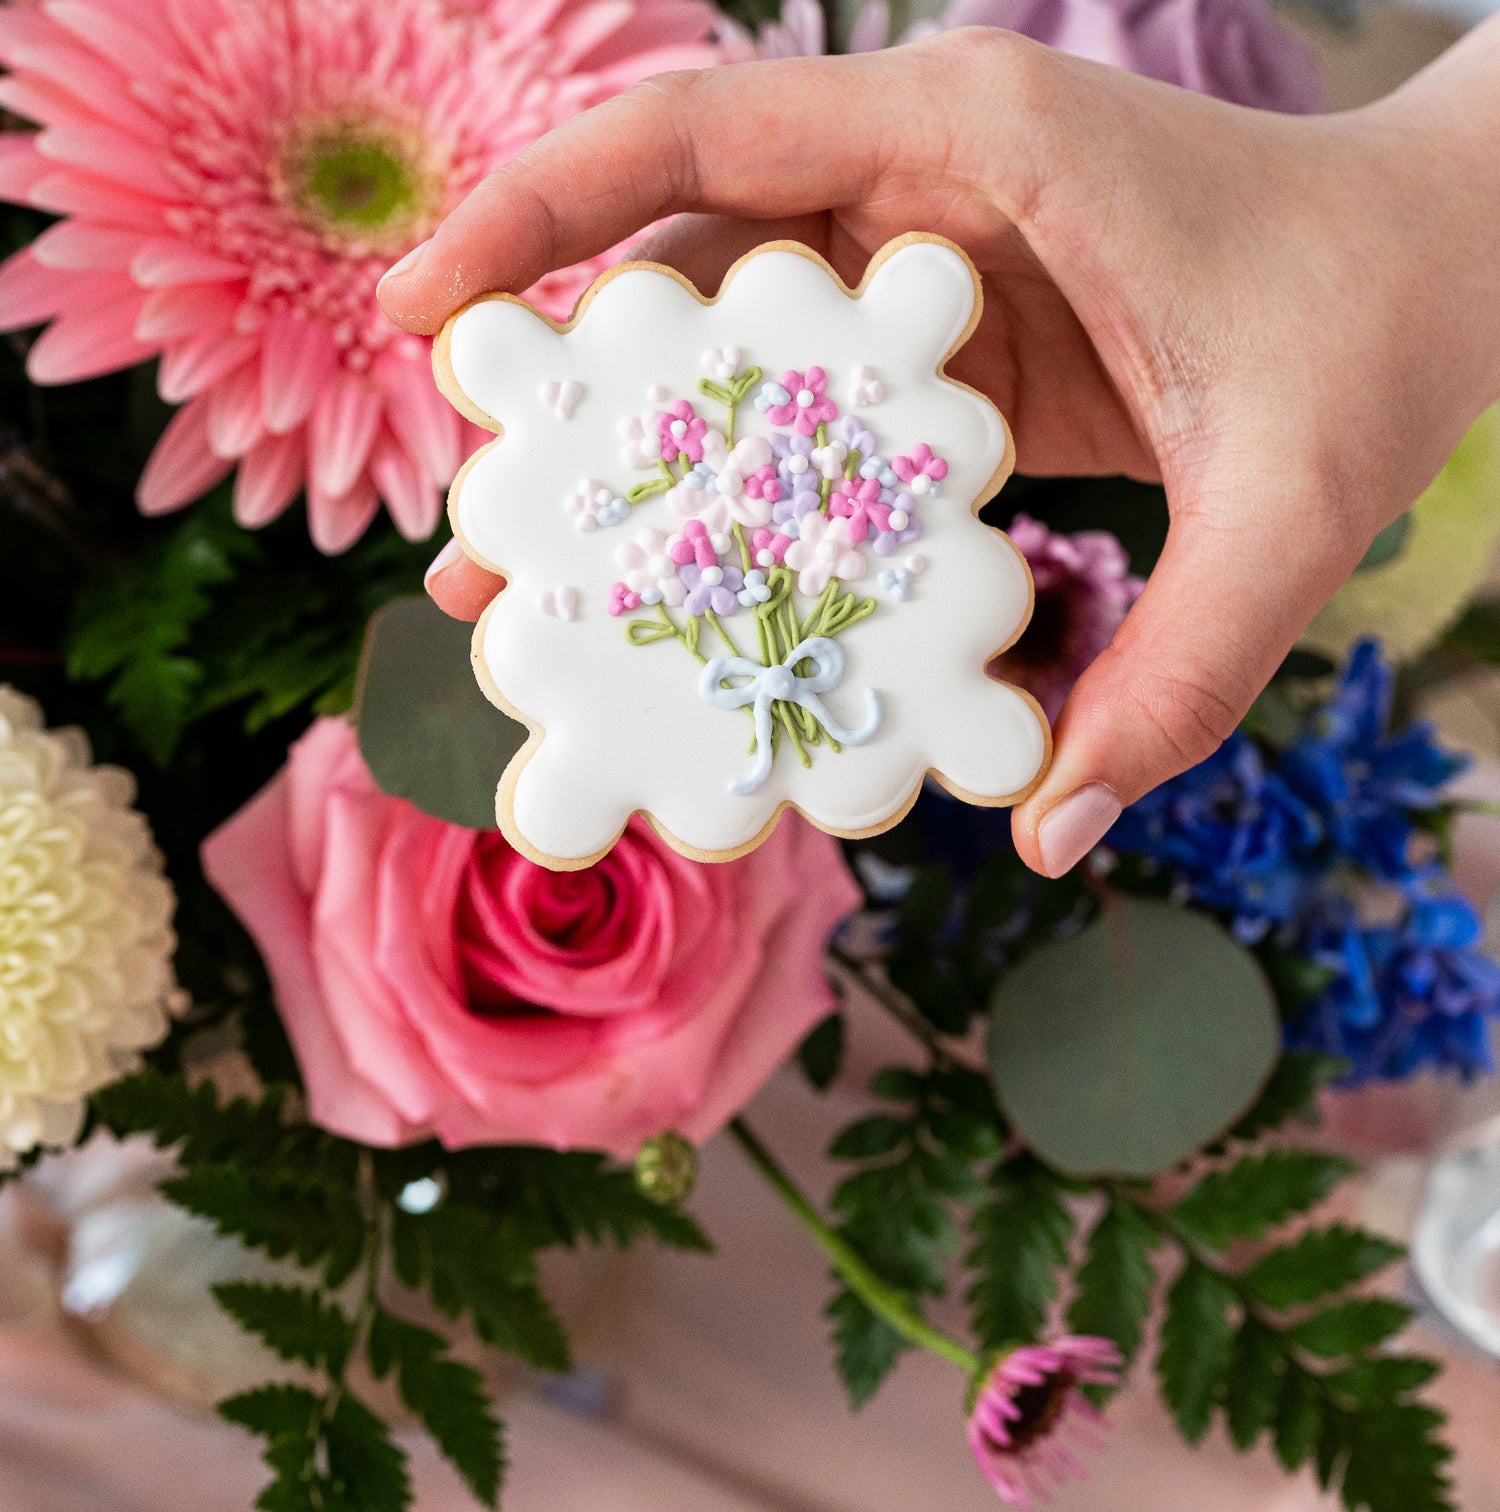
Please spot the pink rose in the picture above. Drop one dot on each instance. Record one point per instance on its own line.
(434, 982)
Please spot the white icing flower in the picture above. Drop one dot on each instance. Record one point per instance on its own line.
(689, 500)
(722, 362)
(85, 930)
(715, 449)
(649, 570)
(823, 550)
(592, 505)
(829, 460)
(641, 440)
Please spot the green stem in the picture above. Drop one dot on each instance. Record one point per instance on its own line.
(884, 1301)
(667, 473)
(714, 620)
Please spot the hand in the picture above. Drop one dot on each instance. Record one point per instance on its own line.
(1289, 321)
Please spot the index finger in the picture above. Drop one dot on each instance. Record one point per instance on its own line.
(760, 140)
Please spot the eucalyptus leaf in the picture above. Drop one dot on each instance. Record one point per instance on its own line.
(426, 731)
(1125, 1049)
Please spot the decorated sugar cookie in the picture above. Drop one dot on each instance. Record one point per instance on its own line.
(742, 559)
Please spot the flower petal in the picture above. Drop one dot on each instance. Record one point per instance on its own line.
(342, 431)
(413, 499)
(235, 422)
(335, 524)
(165, 261)
(298, 358)
(183, 467)
(270, 476)
(190, 366)
(88, 339)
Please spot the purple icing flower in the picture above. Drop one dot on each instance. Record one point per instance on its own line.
(897, 526)
(852, 431)
(796, 507)
(1083, 589)
(720, 595)
(808, 405)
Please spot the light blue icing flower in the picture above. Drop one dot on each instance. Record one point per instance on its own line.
(897, 582)
(756, 589)
(616, 512)
(771, 394)
(878, 467)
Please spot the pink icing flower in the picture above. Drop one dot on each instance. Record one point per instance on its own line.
(1030, 1413)
(682, 430)
(436, 983)
(233, 178)
(821, 551)
(921, 470)
(1083, 589)
(694, 545)
(764, 483)
(808, 405)
(858, 501)
(622, 599)
(768, 547)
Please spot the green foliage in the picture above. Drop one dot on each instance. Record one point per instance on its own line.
(953, 944)
(447, 1395)
(1255, 1194)
(1320, 1262)
(917, 1163)
(473, 1262)
(297, 1323)
(1197, 1347)
(1103, 1049)
(207, 616)
(134, 625)
(1115, 1282)
(1351, 1327)
(278, 1212)
(1021, 1234)
(822, 1053)
(1292, 1091)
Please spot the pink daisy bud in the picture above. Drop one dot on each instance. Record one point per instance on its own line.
(1029, 1414)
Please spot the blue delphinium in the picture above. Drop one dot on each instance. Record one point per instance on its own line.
(1288, 847)
(1233, 834)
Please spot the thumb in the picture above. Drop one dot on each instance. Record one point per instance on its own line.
(1226, 602)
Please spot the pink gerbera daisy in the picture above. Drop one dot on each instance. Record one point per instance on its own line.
(235, 175)
(1028, 1409)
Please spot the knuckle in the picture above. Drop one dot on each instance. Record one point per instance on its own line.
(1188, 715)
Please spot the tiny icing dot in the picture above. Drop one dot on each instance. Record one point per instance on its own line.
(679, 429)
(805, 397)
(827, 551)
(921, 484)
(766, 558)
(916, 564)
(720, 542)
(660, 566)
(799, 464)
(732, 484)
(899, 519)
(651, 595)
(713, 576)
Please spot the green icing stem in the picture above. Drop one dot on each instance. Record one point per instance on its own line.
(738, 532)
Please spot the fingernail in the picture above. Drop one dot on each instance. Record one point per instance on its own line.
(1071, 828)
(443, 560)
(408, 262)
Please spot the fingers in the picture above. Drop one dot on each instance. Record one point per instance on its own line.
(733, 140)
(461, 588)
(1225, 604)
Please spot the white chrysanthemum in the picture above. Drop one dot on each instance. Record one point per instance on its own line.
(85, 929)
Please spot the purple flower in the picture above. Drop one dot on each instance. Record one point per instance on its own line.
(852, 431)
(1236, 50)
(1083, 589)
(891, 536)
(721, 596)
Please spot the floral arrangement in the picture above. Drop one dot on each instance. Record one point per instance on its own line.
(775, 526)
(460, 1061)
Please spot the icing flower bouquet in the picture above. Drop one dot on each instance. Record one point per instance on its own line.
(777, 527)
(275, 929)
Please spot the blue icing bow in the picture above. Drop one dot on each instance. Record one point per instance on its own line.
(765, 686)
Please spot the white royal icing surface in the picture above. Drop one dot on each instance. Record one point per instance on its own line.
(626, 728)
